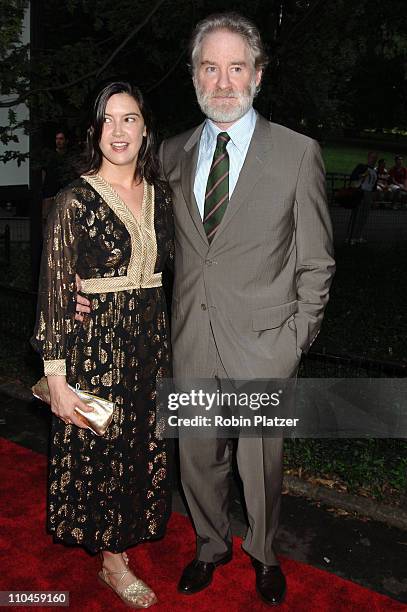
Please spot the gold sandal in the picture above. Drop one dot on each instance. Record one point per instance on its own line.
(131, 593)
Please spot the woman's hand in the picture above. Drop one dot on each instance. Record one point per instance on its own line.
(64, 401)
(82, 304)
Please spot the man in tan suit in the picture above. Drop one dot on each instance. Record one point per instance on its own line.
(253, 266)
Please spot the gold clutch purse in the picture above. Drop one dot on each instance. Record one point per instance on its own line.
(97, 421)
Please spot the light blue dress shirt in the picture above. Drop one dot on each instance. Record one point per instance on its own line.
(240, 134)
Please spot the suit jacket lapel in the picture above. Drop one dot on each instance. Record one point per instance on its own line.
(257, 158)
(189, 162)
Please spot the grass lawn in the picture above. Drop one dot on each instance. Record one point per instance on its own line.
(343, 158)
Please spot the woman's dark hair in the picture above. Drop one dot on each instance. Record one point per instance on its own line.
(148, 165)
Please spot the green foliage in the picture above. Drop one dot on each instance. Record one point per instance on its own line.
(13, 55)
(344, 65)
(343, 158)
(14, 67)
(12, 13)
(377, 467)
(334, 64)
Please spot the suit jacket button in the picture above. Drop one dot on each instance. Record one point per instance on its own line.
(203, 306)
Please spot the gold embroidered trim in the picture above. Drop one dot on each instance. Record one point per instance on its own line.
(55, 367)
(118, 283)
(140, 271)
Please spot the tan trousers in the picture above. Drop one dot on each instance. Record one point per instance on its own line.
(206, 478)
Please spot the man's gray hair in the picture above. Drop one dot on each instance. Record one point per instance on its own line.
(232, 22)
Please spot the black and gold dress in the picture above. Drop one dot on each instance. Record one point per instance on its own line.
(110, 492)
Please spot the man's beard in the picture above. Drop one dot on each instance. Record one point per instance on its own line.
(226, 113)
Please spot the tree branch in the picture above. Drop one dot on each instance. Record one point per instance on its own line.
(300, 23)
(97, 72)
(130, 36)
(167, 74)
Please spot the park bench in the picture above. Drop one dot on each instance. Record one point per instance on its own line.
(336, 181)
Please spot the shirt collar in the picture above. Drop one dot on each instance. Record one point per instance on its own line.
(240, 132)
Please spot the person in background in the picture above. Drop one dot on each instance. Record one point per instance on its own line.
(363, 177)
(383, 192)
(398, 174)
(57, 172)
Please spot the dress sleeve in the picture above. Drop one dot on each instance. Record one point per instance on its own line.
(169, 210)
(56, 292)
(171, 237)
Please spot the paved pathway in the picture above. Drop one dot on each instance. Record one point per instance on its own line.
(382, 225)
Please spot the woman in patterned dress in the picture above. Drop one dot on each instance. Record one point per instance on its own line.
(114, 228)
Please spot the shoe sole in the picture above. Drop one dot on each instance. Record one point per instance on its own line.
(201, 588)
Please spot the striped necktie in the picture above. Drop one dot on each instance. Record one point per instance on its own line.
(217, 188)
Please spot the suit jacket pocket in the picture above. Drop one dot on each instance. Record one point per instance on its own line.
(292, 325)
(273, 316)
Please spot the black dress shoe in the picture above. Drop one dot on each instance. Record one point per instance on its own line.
(270, 583)
(198, 575)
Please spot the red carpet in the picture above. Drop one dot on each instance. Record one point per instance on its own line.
(31, 561)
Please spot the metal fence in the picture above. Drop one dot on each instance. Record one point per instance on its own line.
(5, 243)
(19, 228)
(18, 308)
(18, 305)
(384, 223)
(334, 182)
